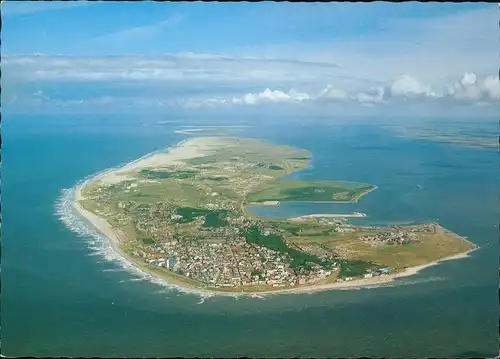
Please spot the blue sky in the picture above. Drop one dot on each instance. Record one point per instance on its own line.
(383, 57)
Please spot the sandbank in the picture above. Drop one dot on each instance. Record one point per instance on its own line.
(192, 148)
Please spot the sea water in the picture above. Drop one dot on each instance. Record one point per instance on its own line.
(65, 294)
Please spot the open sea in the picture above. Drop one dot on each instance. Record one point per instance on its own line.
(63, 293)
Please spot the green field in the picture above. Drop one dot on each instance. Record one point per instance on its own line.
(216, 219)
(147, 173)
(155, 174)
(298, 259)
(353, 268)
(202, 160)
(306, 191)
(189, 214)
(275, 168)
(217, 179)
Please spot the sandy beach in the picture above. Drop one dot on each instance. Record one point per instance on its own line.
(192, 148)
(100, 224)
(197, 147)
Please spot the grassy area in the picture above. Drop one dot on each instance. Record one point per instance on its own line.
(189, 214)
(305, 191)
(275, 242)
(218, 179)
(202, 160)
(88, 205)
(276, 168)
(167, 174)
(183, 174)
(154, 174)
(431, 247)
(148, 240)
(353, 268)
(295, 228)
(167, 189)
(215, 219)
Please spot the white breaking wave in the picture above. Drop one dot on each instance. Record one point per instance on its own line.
(131, 280)
(97, 243)
(113, 270)
(423, 280)
(402, 282)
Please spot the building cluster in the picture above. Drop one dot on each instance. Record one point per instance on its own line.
(370, 273)
(221, 256)
(396, 237)
(229, 264)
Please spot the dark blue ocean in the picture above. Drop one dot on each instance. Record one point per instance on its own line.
(61, 297)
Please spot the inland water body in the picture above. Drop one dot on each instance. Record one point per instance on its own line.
(62, 296)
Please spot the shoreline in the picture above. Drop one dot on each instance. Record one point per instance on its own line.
(113, 236)
(327, 215)
(362, 194)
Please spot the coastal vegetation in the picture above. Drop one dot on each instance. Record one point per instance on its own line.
(307, 191)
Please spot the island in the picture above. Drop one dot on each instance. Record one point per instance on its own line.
(182, 215)
(472, 135)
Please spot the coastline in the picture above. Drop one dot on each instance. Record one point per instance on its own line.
(362, 194)
(113, 236)
(327, 215)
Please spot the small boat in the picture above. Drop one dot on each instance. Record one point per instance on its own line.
(420, 186)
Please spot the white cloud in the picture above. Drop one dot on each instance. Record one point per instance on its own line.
(209, 80)
(298, 96)
(274, 96)
(470, 88)
(171, 67)
(332, 93)
(407, 86)
(372, 96)
(491, 85)
(268, 96)
(469, 78)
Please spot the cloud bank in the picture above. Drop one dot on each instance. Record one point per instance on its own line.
(468, 89)
(192, 80)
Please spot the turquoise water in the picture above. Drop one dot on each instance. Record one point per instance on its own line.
(61, 298)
